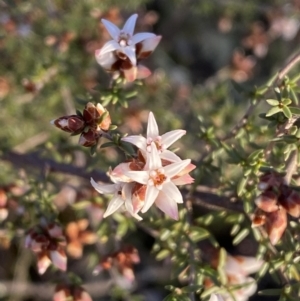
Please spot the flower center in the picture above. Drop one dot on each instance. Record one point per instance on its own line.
(158, 142)
(157, 178)
(124, 39)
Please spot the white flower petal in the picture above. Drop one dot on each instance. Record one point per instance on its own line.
(167, 205)
(141, 176)
(109, 47)
(107, 60)
(139, 37)
(174, 168)
(130, 52)
(171, 190)
(104, 188)
(130, 24)
(170, 156)
(59, 259)
(170, 137)
(113, 30)
(152, 128)
(115, 203)
(153, 158)
(139, 141)
(216, 297)
(142, 72)
(151, 195)
(148, 46)
(248, 265)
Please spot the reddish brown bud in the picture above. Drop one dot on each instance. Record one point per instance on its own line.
(276, 223)
(288, 203)
(93, 116)
(259, 218)
(89, 138)
(267, 201)
(72, 124)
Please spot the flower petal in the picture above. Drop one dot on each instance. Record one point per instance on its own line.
(141, 176)
(142, 72)
(109, 47)
(151, 195)
(216, 297)
(139, 37)
(148, 47)
(248, 265)
(175, 168)
(115, 203)
(130, 24)
(106, 60)
(59, 259)
(153, 159)
(130, 52)
(152, 128)
(127, 193)
(171, 190)
(43, 263)
(170, 137)
(139, 141)
(167, 205)
(183, 180)
(170, 156)
(113, 30)
(130, 74)
(104, 188)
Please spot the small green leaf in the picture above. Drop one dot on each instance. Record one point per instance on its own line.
(294, 97)
(107, 144)
(286, 111)
(242, 235)
(197, 234)
(270, 292)
(286, 101)
(241, 185)
(295, 110)
(162, 254)
(273, 111)
(272, 102)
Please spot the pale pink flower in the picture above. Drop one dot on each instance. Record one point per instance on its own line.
(126, 49)
(162, 142)
(121, 196)
(159, 185)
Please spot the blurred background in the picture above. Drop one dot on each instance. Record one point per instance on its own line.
(212, 53)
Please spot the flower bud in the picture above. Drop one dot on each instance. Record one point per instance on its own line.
(72, 124)
(96, 116)
(276, 223)
(89, 138)
(267, 201)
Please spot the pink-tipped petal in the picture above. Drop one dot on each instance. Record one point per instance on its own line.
(175, 168)
(167, 205)
(152, 128)
(59, 259)
(115, 203)
(183, 180)
(170, 137)
(171, 190)
(139, 37)
(43, 263)
(142, 72)
(130, 74)
(130, 25)
(113, 30)
(151, 195)
(139, 141)
(118, 173)
(170, 156)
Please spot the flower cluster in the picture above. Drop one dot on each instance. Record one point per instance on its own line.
(90, 124)
(65, 292)
(237, 269)
(126, 50)
(123, 260)
(151, 178)
(276, 200)
(47, 241)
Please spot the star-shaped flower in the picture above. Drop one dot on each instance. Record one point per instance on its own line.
(159, 184)
(123, 40)
(162, 142)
